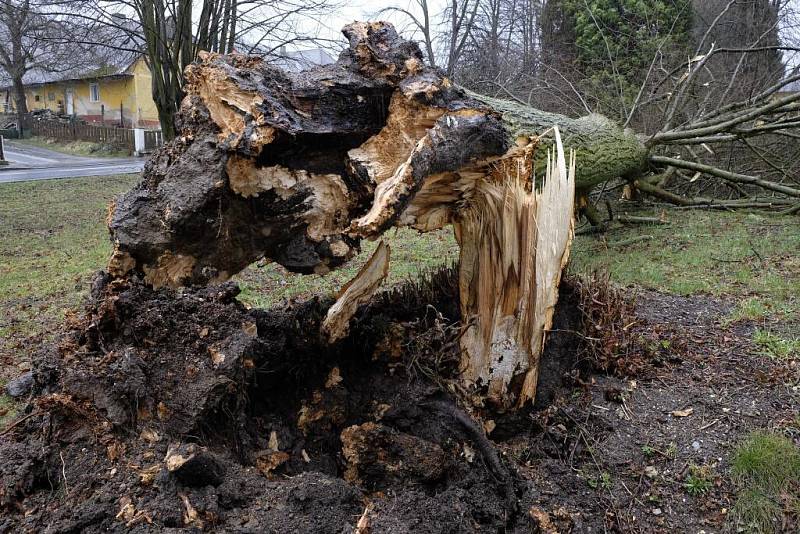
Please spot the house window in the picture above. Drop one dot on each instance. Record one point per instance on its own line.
(94, 92)
(51, 96)
(37, 98)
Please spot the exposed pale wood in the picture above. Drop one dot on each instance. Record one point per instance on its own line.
(514, 244)
(228, 102)
(556, 228)
(357, 292)
(170, 269)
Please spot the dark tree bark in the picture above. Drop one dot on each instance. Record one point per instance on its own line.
(17, 49)
(20, 103)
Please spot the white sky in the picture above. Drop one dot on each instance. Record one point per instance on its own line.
(351, 10)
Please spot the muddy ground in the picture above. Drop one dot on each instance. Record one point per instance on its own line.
(163, 410)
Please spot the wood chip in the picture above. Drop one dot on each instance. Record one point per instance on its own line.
(683, 413)
(334, 378)
(149, 435)
(250, 329)
(363, 522)
(273, 441)
(269, 461)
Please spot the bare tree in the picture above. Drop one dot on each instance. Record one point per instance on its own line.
(24, 47)
(445, 46)
(421, 21)
(488, 51)
(171, 33)
(17, 49)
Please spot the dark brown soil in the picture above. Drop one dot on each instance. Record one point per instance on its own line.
(617, 454)
(165, 410)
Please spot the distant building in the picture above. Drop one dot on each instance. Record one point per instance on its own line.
(300, 60)
(120, 94)
(111, 95)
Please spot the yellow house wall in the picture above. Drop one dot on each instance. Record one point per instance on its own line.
(145, 107)
(44, 102)
(114, 93)
(132, 92)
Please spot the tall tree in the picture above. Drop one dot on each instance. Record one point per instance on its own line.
(32, 42)
(21, 49)
(487, 53)
(618, 42)
(739, 24)
(444, 46)
(557, 28)
(422, 21)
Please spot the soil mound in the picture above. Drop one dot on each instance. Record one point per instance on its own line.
(182, 409)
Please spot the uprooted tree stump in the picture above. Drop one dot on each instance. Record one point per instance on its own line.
(177, 407)
(298, 168)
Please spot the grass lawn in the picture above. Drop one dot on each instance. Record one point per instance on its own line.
(75, 148)
(412, 253)
(53, 237)
(766, 471)
(753, 258)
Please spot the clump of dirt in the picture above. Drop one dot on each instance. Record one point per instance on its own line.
(183, 409)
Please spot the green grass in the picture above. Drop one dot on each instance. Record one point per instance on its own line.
(766, 469)
(751, 257)
(52, 238)
(412, 253)
(776, 346)
(75, 148)
(749, 309)
(699, 480)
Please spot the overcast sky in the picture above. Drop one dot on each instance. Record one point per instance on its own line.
(351, 10)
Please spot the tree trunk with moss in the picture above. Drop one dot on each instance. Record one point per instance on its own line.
(603, 149)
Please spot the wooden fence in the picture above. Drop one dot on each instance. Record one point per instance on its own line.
(73, 131)
(153, 139)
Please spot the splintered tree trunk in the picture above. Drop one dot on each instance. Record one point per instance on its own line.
(514, 244)
(299, 167)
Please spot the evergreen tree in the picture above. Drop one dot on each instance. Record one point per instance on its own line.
(617, 41)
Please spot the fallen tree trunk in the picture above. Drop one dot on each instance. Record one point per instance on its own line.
(299, 167)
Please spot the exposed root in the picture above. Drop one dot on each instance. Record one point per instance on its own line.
(357, 292)
(486, 448)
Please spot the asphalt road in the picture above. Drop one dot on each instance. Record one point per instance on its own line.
(34, 163)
